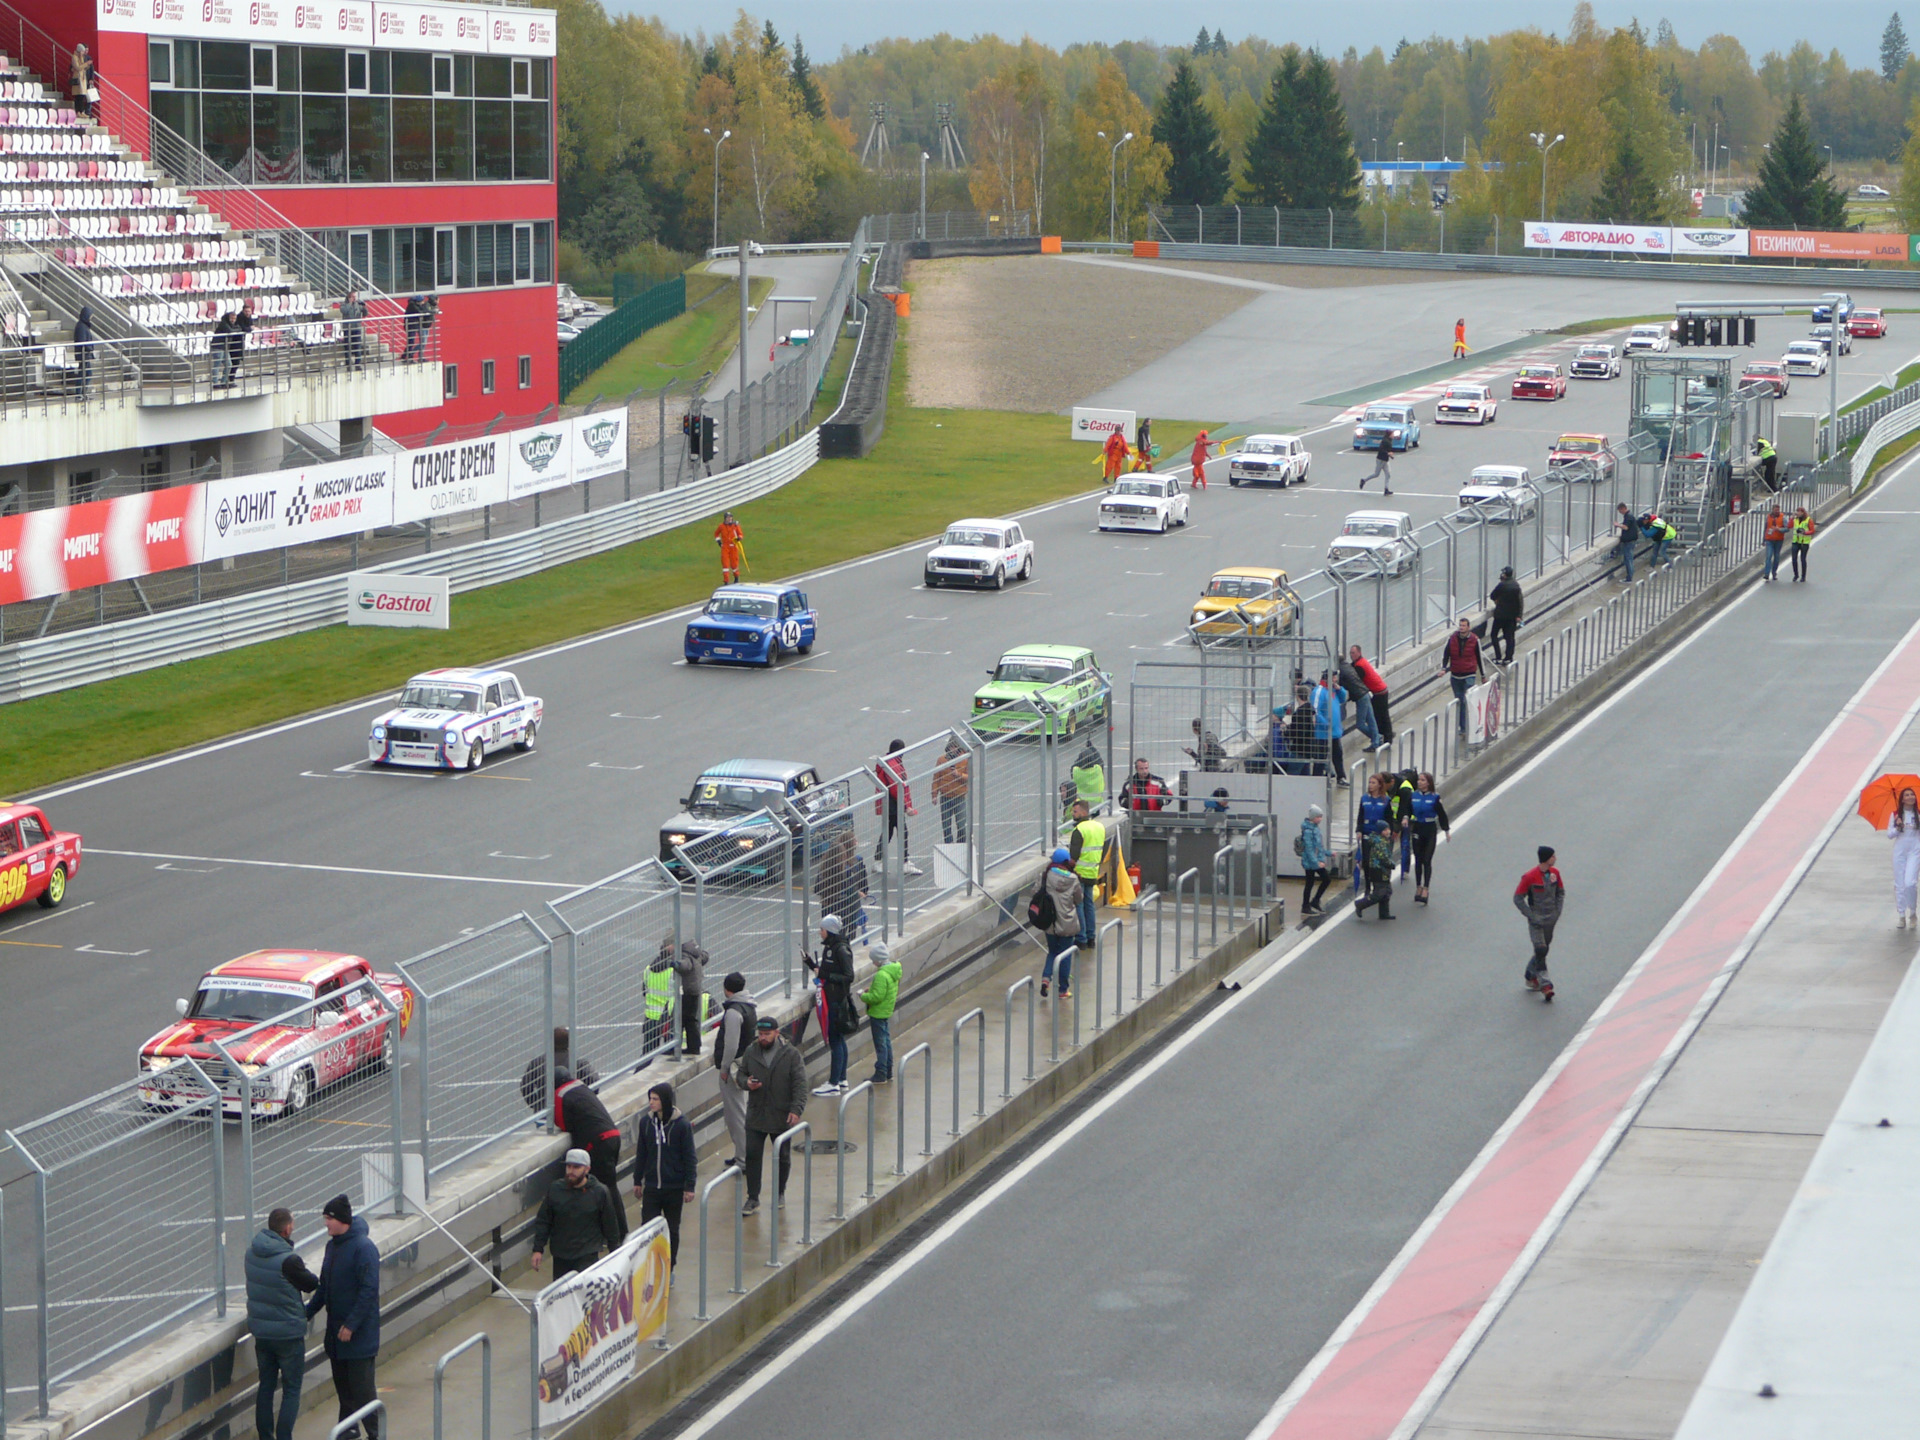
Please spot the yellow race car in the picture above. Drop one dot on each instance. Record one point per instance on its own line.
(1244, 600)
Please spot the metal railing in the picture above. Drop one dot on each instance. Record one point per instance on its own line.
(485, 1342)
(952, 225)
(607, 336)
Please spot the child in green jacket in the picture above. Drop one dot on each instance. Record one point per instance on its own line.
(879, 998)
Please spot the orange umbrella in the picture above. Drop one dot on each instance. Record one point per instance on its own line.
(1878, 800)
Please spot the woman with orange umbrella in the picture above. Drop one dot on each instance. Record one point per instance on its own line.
(1892, 803)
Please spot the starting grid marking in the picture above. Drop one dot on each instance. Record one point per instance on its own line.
(1480, 375)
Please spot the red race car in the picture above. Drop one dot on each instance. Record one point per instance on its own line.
(1867, 325)
(327, 1025)
(1770, 373)
(36, 861)
(1540, 382)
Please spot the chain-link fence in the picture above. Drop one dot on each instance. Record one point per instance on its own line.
(951, 225)
(740, 906)
(610, 933)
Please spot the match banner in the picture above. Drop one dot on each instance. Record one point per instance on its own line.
(1826, 245)
(51, 552)
(421, 602)
(1096, 425)
(1593, 235)
(539, 458)
(1483, 712)
(1709, 241)
(244, 514)
(446, 479)
(599, 444)
(591, 1324)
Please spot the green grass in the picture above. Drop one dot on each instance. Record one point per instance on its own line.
(686, 347)
(1905, 377)
(1594, 327)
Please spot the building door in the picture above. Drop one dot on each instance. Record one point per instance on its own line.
(443, 258)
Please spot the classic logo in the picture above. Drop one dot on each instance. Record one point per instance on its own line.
(1709, 239)
(599, 437)
(538, 450)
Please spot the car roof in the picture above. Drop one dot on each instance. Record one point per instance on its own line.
(982, 524)
(1396, 516)
(463, 675)
(310, 966)
(757, 769)
(1047, 652)
(1805, 345)
(756, 592)
(1250, 572)
(1464, 385)
(1248, 439)
(1537, 367)
(1580, 435)
(1499, 470)
(1388, 405)
(1650, 325)
(1596, 345)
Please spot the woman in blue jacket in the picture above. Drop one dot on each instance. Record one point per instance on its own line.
(1428, 820)
(1376, 813)
(1313, 859)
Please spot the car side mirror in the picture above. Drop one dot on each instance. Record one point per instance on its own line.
(180, 1008)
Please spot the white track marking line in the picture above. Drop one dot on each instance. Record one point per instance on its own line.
(894, 1272)
(333, 869)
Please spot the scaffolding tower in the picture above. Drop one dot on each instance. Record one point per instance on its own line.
(952, 155)
(877, 142)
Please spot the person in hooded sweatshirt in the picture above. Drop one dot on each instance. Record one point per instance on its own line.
(350, 1294)
(665, 1165)
(277, 1278)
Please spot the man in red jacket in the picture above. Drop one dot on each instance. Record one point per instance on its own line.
(1539, 896)
(891, 772)
(1201, 444)
(1376, 698)
(1460, 662)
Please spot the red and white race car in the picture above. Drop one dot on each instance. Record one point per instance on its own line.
(36, 860)
(1540, 382)
(326, 1025)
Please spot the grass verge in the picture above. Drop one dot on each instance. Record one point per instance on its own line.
(1905, 377)
(687, 346)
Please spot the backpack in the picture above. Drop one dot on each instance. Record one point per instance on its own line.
(1299, 843)
(1040, 912)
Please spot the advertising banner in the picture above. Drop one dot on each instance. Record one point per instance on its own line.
(418, 601)
(469, 29)
(1826, 245)
(599, 444)
(539, 458)
(1483, 712)
(50, 552)
(1689, 240)
(1096, 425)
(461, 28)
(248, 513)
(593, 1323)
(521, 32)
(1596, 235)
(446, 479)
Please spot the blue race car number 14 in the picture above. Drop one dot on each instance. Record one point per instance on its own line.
(790, 634)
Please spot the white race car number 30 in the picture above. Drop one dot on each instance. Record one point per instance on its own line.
(790, 634)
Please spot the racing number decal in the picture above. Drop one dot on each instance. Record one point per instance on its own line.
(13, 886)
(790, 633)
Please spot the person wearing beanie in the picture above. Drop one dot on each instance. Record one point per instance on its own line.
(580, 1112)
(1312, 850)
(838, 1019)
(689, 962)
(350, 1294)
(1509, 604)
(879, 999)
(1064, 889)
(665, 1165)
(277, 1278)
(577, 1218)
(1540, 896)
(738, 1015)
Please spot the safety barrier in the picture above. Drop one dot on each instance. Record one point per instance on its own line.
(485, 1342)
(1885, 429)
(612, 332)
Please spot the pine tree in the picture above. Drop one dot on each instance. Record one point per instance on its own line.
(769, 39)
(1219, 43)
(1273, 150)
(1203, 42)
(1893, 49)
(1794, 193)
(1200, 171)
(1630, 194)
(804, 85)
(1329, 171)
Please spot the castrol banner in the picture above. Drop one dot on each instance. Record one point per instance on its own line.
(1096, 425)
(417, 601)
(1595, 235)
(244, 514)
(446, 479)
(50, 552)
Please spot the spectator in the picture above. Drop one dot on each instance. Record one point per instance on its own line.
(1508, 606)
(533, 1079)
(1312, 849)
(1361, 694)
(665, 1165)
(83, 349)
(1660, 532)
(891, 772)
(1376, 815)
(843, 884)
(1063, 888)
(880, 999)
(84, 82)
(1144, 790)
(834, 970)
(1206, 749)
(1303, 732)
(579, 1112)
(350, 1294)
(1086, 848)
(1429, 820)
(577, 1218)
(237, 339)
(1801, 533)
(662, 993)
(1216, 803)
(277, 1315)
(1903, 829)
(774, 1075)
(220, 353)
(1329, 724)
(1776, 536)
(353, 325)
(1400, 809)
(1460, 662)
(421, 312)
(1376, 693)
(1540, 896)
(738, 1015)
(950, 789)
(1626, 530)
(690, 963)
(1376, 864)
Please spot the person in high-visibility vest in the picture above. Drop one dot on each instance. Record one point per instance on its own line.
(663, 990)
(1089, 777)
(1658, 531)
(1767, 458)
(1801, 533)
(1775, 536)
(1085, 847)
(731, 540)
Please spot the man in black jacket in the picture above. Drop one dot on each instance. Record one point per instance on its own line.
(666, 1166)
(834, 970)
(350, 1294)
(1508, 606)
(1382, 457)
(277, 1315)
(578, 1111)
(578, 1216)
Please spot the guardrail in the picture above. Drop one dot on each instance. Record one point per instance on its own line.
(1889, 427)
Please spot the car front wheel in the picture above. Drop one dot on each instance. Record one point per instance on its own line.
(773, 654)
(56, 890)
(476, 754)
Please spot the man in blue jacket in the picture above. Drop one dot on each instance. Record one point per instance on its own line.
(350, 1293)
(277, 1315)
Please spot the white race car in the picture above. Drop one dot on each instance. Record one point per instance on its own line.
(1595, 362)
(1805, 357)
(980, 552)
(1466, 405)
(1269, 460)
(1649, 337)
(1502, 493)
(1145, 502)
(1373, 541)
(451, 719)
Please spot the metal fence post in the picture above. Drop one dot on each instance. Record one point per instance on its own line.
(246, 1132)
(900, 1107)
(805, 1127)
(1006, 1082)
(485, 1343)
(217, 1158)
(706, 1193)
(840, 1150)
(398, 1150)
(424, 1004)
(786, 918)
(959, 1028)
(3, 1308)
(1179, 910)
(1099, 971)
(533, 1373)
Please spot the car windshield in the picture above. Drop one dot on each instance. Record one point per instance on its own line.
(1598, 352)
(980, 539)
(1154, 488)
(1536, 372)
(1236, 587)
(239, 1001)
(418, 696)
(757, 606)
(1263, 447)
(1032, 670)
(1466, 392)
(1763, 368)
(1371, 527)
(1380, 415)
(1497, 479)
(1579, 445)
(1803, 347)
(733, 796)
(1650, 331)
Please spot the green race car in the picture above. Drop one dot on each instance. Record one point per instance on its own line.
(1066, 677)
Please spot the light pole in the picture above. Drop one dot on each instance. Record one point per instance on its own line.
(1546, 148)
(1113, 181)
(924, 157)
(705, 130)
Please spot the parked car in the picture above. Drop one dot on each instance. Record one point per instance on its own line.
(1872, 192)
(567, 333)
(567, 301)
(1596, 362)
(1582, 457)
(1540, 382)
(1805, 357)
(1466, 405)
(1269, 460)
(1373, 541)
(1387, 418)
(1867, 325)
(1766, 372)
(980, 552)
(1502, 493)
(1654, 338)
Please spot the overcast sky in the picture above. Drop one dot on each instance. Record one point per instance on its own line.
(827, 25)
